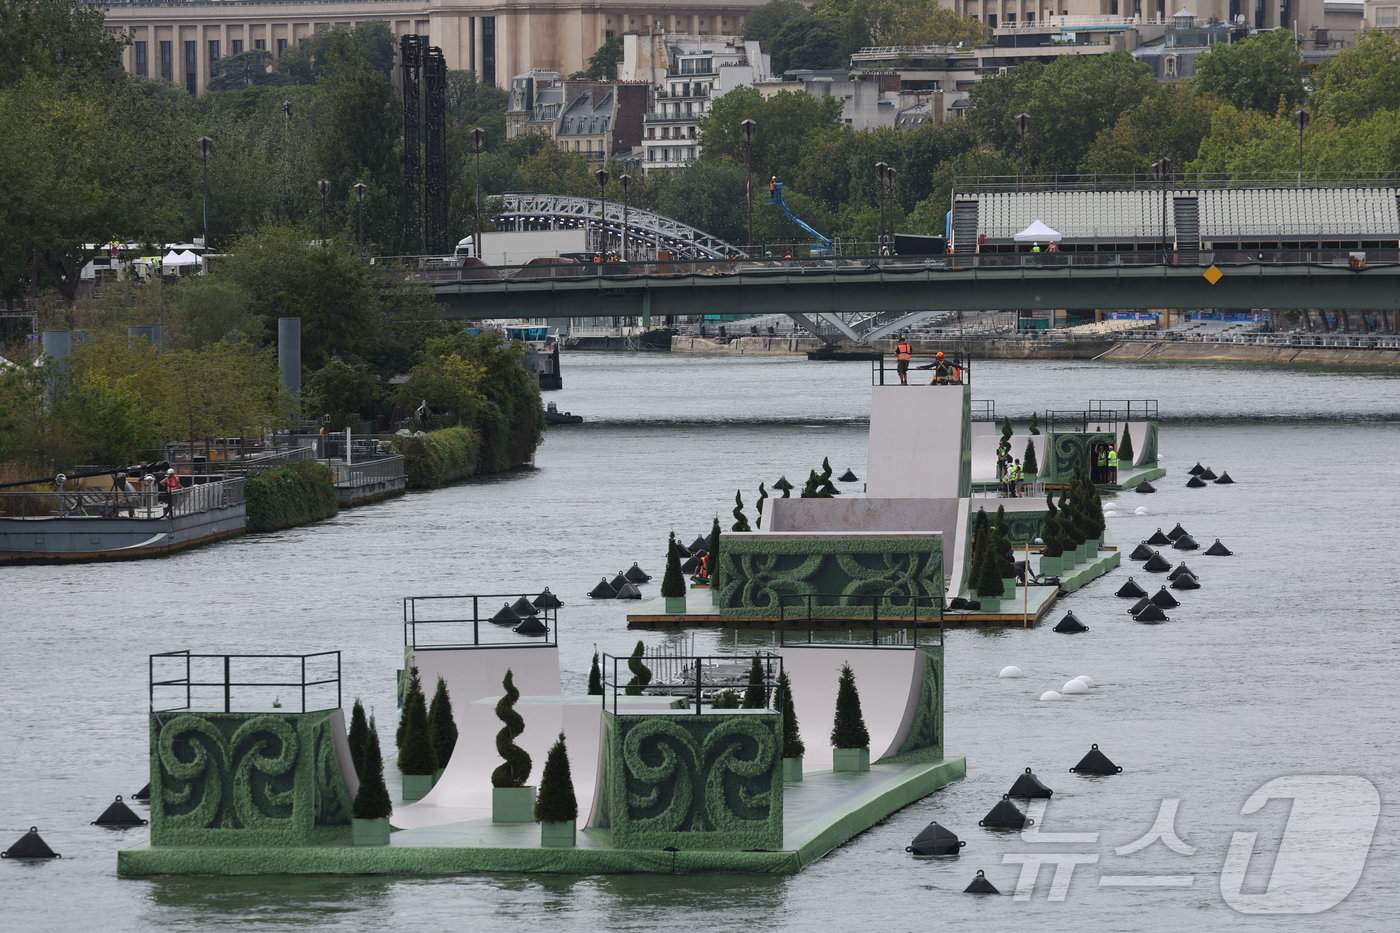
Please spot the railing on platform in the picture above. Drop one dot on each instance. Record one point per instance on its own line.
(208, 682)
(700, 680)
(876, 609)
(953, 370)
(105, 503)
(379, 470)
(1123, 410)
(1177, 181)
(472, 611)
(983, 409)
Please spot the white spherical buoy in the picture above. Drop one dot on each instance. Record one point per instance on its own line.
(1011, 670)
(1110, 514)
(1073, 687)
(1111, 504)
(1086, 680)
(1050, 695)
(1140, 510)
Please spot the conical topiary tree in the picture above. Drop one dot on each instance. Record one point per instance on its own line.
(1125, 448)
(672, 584)
(641, 674)
(981, 528)
(792, 737)
(595, 678)
(514, 770)
(756, 694)
(987, 581)
(372, 800)
(358, 734)
(848, 728)
(758, 508)
(556, 802)
(441, 724)
(740, 522)
(1029, 464)
(415, 685)
(416, 753)
(714, 552)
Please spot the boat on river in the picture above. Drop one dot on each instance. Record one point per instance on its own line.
(553, 415)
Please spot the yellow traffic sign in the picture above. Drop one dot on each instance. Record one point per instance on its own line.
(1213, 275)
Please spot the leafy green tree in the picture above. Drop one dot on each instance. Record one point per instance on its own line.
(804, 42)
(1171, 121)
(672, 584)
(784, 122)
(514, 769)
(472, 103)
(56, 38)
(1357, 83)
(710, 197)
(345, 391)
(246, 69)
(602, 64)
(1263, 72)
(848, 726)
(763, 23)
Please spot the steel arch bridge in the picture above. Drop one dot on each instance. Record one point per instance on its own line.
(603, 219)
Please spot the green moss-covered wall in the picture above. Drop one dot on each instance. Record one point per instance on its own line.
(290, 495)
(757, 571)
(246, 779)
(711, 781)
(439, 457)
(1063, 452)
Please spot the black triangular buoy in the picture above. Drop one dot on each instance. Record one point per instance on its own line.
(546, 600)
(935, 840)
(618, 582)
(1186, 581)
(1196, 470)
(603, 590)
(1186, 543)
(531, 626)
(118, 814)
(505, 616)
(980, 885)
(1158, 539)
(701, 543)
(144, 793)
(1164, 600)
(1195, 482)
(31, 845)
(523, 607)
(1005, 815)
(1131, 590)
(1180, 570)
(1069, 625)
(1176, 532)
(1140, 605)
(1141, 552)
(628, 591)
(1224, 480)
(1029, 786)
(682, 550)
(1207, 473)
(1144, 486)
(1150, 613)
(690, 565)
(1096, 762)
(849, 477)
(635, 574)
(1218, 550)
(1157, 564)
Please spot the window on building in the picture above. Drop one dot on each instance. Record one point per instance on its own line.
(235, 46)
(1387, 16)
(488, 50)
(281, 47)
(260, 45)
(1030, 17)
(141, 55)
(651, 132)
(167, 57)
(213, 52)
(1011, 19)
(191, 53)
(992, 20)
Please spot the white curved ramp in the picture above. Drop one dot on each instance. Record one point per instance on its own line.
(889, 681)
(472, 673)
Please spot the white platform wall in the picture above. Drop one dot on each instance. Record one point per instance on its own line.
(916, 441)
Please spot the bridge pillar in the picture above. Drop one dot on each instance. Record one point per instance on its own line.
(646, 309)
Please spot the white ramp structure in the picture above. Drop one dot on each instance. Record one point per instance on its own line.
(919, 442)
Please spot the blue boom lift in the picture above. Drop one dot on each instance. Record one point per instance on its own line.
(823, 246)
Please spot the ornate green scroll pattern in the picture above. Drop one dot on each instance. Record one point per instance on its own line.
(1065, 451)
(758, 571)
(241, 779)
(711, 781)
(925, 739)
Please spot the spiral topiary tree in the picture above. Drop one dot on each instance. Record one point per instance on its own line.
(792, 736)
(1006, 429)
(441, 724)
(826, 468)
(556, 802)
(812, 488)
(357, 736)
(372, 800)
(641, 674)
(1125, 448)
(514, 770)
(672, 584)
(756, 694)
(848, 727)
(740, 522)
(1050, 536)
(416, 753)
(595, 678)
(1035, 422)
(758, 508)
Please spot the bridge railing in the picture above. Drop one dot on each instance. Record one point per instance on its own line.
(1180, 180)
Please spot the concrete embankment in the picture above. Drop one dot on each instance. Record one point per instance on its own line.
(1251, 353)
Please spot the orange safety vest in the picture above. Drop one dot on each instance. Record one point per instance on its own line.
(957, 373)
(704, 565)
(903, 353)
(170, 483)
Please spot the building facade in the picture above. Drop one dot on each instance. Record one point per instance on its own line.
(182, 42)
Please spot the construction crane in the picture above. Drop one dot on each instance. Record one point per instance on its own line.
(823, 246)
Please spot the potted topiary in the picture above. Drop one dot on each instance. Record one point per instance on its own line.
(369, 825)
(793, 749)
(673, 584)
(986, 580)
(511, 800)
(1051, 550)
(850, 740)
(1029, 465)
(557, 807)
(641, 674)
(417, 758)
(441, 727)
(358, 734)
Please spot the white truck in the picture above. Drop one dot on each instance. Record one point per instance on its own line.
(515, 248)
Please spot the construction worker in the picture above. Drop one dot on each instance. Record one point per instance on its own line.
(1013, 479)
(941, 369)
(169, 485)
(1100, 463)
(903, 353)
(1112, 463)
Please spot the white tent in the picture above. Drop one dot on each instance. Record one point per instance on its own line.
(173, 259)
(1037, 232)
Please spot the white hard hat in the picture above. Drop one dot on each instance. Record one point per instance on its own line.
(148, 478)
(170, 472)
(60, 478)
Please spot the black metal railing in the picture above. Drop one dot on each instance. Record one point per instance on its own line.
(699, 681)
(950, 371)
(982, 409)
(1177, 180)
(873, 609)
(105, 503)
(467, 621)
(211, 682)
(1123, 410)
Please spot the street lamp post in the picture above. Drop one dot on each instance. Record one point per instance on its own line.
(361, 189)
(1301, 119)
(1023, 126)
(626, 182)
(1162, 169)
(890, 174)
(206, 146)
(324, 188)
(748, 127)
(478, 138)
(601, 176)
(881, 168)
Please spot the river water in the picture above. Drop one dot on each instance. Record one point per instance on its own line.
(1283, 664)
